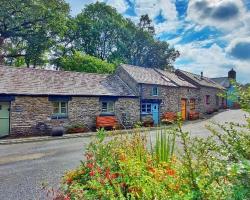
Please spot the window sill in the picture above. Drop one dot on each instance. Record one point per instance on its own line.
(107, 114)
(146, 113)
(59, 117)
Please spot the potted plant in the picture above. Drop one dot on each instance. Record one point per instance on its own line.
(76, 128)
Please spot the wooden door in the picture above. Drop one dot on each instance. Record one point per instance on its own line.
(184, 109)
(4, 118)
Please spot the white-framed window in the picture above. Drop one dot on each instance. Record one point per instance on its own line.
(108, 107)
(60, 108)
(146, 108)
(155, 91)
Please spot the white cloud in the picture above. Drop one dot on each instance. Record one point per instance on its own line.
(213, 61)
(223, 14)
(153, 8)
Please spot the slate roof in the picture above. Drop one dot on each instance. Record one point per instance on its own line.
(223, 81)
(155, 76)
(176, 79)
(201, 81)
(28, 81)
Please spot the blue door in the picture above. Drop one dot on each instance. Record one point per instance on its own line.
(155, 112)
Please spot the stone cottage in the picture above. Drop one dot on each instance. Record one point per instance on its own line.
(33, 100)
(160, 91)
(209, 91)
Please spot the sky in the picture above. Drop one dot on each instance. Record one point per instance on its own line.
(212, 36)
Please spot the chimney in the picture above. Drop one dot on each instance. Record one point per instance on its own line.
(201, 75)
(232, 74)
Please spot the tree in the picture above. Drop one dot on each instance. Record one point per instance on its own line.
(99, 30)
(34, 23)
(142, 49)
(146, 24)
(85, 63)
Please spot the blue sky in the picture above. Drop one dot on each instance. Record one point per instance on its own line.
(212, 36)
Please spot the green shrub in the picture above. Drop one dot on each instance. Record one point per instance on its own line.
(123, 167)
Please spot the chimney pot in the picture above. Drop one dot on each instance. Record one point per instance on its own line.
(201, 74)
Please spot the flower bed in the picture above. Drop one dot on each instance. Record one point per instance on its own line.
(125, 167)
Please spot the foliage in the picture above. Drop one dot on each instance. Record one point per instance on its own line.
(85, 63)
(28, 28)
(41, 32)
(165, 144)
(123, 167)
(244, 100)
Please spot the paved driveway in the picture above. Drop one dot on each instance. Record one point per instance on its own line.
(24, 167)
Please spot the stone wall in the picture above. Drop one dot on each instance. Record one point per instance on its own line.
(171, 97)
(29, 114)
(128, 111)
(188, 94)
(212, 92)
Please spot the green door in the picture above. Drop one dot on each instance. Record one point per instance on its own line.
(4, 118)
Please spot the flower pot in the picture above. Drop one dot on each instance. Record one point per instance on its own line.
(76, 130)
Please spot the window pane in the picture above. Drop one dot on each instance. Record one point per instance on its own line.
(155, 91)
(55, 107)
(63, 107)
(104, 106)
(110, 106)
(143, 108)
(148, 108)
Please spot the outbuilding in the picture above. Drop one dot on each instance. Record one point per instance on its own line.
(32, 101)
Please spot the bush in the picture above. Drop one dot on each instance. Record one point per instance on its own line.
(85, 63)
(125, 167)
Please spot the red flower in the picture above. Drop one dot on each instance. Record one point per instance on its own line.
(90, 165)
(69, 180)
(151, 169)
(99, 170)
(107, 173)
(92, 173)
(67, 197)
(113, 176)
(170, 172)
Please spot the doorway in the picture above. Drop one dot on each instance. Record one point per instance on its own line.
(184, 109)
(155, 112)
(4, 118)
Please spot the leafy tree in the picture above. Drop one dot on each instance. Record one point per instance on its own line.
(85, 63)
(34, 23)
(104, 33)
(99, 30)
(146, 24)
